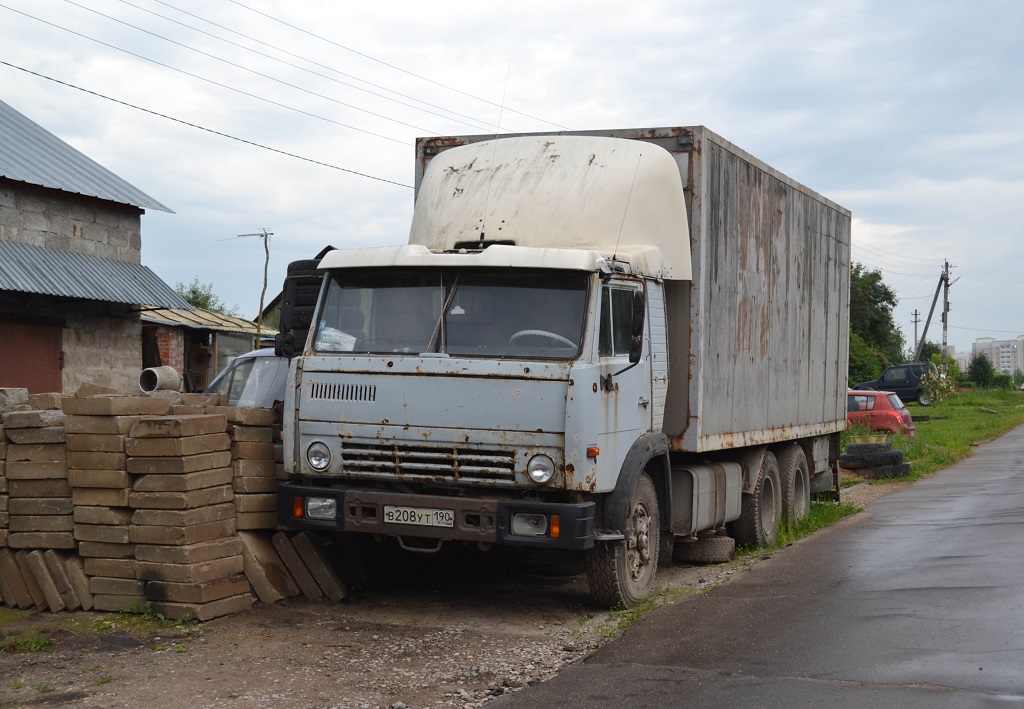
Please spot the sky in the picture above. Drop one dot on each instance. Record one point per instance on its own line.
(304, 114)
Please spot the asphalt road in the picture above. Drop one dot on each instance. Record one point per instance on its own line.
(918, 601)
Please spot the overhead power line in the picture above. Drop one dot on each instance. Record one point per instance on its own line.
(245, 68)
(202, 78)
(208, 130)
(447, 112)
(392, 66)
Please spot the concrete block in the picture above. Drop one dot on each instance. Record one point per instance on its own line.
(204, 399)
(267, 573)
(179, 426)
(32, 419)
(13, 396)
(12, 587)
(170, 447)
(36, 470)
(115, 406)
(190, 553)
(256, 520)
(102, 515)
(252, 451)
(28, 436)
(97, 460)
(79, 581)
(107, 443)
(41, 506)
(116, 586)
(201, 592)
(106, 550)
(49, 400)
(100, 425)
(184, 518)
(37, 452)
(108, 533)
(179, 464)
(204, 611)
(41, 540)
(165, 535)
(100, 478)
(5, 538)
(100, 496)
(181, 500)
(313, 556)
(39, 488)
(251, 434)
(87, 389)
(253, 468)
(5, 518)
(303, 578)
(249, 416)
(114, 568)
(113, 603)
(37, 563)
(55, 565)
(266, 502)
(183, 483)
(21, 557)
(254, 486)
(190, 573)
(41, 523)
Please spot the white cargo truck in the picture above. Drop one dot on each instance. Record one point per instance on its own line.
(627, 344)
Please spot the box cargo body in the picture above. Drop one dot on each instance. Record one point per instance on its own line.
(758, 339)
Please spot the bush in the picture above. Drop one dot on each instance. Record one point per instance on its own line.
(1002, 380)
(937, 388)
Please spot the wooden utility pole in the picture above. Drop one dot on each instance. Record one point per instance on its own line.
(265, 235)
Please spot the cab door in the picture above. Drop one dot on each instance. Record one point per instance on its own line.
(625, 388)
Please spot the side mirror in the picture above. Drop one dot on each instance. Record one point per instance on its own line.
(284, 345)
(636, 328)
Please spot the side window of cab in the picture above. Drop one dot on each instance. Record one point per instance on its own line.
(616, 319)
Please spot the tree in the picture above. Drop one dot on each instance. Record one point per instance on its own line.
(1018, 378)
(952, 367)
(864, 364)
(928, 352)
(871, 304)
(201, 295)
(980, 371)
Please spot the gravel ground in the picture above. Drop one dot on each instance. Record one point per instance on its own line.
(441, 639)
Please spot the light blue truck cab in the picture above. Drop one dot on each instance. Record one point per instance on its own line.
(576, 350)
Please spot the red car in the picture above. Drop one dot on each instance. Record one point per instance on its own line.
(880, 410)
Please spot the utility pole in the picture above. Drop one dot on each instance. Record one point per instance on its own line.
(945, 312)
(917, 319)
(265, 235)
(943, 285)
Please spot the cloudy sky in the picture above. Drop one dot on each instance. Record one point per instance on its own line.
(908, 113)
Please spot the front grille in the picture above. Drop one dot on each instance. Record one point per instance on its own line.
(342, 392)
(404, 459)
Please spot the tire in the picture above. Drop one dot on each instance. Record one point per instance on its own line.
(923, 399)
(304, 267)
(761, 510)
(706, 550)
(887, 471)
(623, 572)
(871, 460)
(795, 477)
(862, 448)
(302, 316)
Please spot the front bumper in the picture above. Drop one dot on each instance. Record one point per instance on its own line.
(483, 520)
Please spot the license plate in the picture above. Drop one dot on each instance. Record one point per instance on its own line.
(420, 516)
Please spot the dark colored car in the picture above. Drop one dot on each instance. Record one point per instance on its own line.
(256, 378)
(880, 410)
(904, 380)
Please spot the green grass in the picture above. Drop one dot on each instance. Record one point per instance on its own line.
(26, 643)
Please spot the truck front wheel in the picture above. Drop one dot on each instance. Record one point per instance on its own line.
(623, 572)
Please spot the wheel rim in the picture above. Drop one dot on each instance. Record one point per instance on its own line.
(638, 552)
(803, 504)
(769, 503)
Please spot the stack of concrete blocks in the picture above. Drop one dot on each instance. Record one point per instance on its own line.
(98, 428)
(253, 468)
(183, 520)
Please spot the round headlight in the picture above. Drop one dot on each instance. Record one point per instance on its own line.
(540, 469)
(319, 456)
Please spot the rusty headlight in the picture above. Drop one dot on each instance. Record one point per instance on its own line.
(540, 469)
(318, 456)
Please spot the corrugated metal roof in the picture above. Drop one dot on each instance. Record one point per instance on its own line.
(33, 269)
(202, 320)
(30, 153)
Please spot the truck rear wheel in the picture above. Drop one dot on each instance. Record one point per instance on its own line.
(711, 549)
(796, 483)
(761, 510)
(623, 572)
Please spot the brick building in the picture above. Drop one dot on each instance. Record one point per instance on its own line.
(71, 276)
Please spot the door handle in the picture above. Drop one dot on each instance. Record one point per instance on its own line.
(642, 402)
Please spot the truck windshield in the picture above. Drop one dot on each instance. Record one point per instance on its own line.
(513, 313)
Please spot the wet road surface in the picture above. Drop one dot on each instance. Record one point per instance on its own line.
(918, 601)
